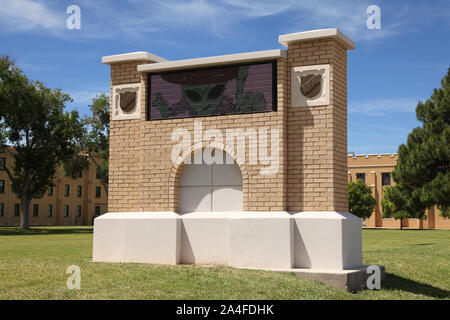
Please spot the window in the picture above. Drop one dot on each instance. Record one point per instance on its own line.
(66, 210)
(97, 174)
(2, 209)
(66, 190)
(361, 176)
(97, 210)
(35, 210)
(49, 210)
(385, 179)
(78, 211)
(80, 175)
(98, 192)
(2, 186)
(79, 191)
(2, 163)
(50, 190)
(16, 209)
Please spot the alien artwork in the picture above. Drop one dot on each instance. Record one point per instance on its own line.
(210, 92)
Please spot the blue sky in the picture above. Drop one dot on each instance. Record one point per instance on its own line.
(388, 73)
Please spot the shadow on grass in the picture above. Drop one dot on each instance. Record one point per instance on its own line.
(12, 231)
(393, 282)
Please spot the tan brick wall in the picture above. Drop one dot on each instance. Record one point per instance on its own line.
(124, 169)
(126, 72)
(125, 152)
(160, 176)
(439, 221)
(313, 145)
(317, 136)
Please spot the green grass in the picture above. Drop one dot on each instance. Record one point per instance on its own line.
(33, 266)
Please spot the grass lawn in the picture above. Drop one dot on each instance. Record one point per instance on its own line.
(33, 266)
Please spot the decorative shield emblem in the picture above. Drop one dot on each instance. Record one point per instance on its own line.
(311, 85)
(128, 101)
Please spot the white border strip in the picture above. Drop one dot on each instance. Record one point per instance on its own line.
(211, 61)
(132, 56)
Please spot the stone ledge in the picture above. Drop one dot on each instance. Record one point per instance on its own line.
(132, 56)
(347, 280)
(223, 60)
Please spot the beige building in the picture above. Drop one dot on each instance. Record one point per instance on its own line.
(69, 202)
(375, 170)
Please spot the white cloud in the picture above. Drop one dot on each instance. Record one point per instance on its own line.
(382, 107)
(84, 97)
(259, 9)
(24, 15)
(169, 14)
(224, 17)
(158, 18)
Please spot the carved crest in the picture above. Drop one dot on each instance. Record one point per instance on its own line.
(311, 85)
(127, 101)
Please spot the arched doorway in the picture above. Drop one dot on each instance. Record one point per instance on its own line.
(211, 187)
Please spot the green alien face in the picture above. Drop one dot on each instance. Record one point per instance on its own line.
(203, 99)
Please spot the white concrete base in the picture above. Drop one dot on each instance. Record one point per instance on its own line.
(261, 239)
(272, 240)
(151, 237)
(328, 240)
(205, 238)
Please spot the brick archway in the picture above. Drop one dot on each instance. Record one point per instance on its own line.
(178, 166)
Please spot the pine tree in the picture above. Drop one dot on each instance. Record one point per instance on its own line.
(422, 172)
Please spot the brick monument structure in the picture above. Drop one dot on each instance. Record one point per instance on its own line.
(238, 160)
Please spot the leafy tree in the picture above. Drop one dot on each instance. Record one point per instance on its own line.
(360, 200)
(93, 142)
(422, 172)
(399, 204)
(35, 131)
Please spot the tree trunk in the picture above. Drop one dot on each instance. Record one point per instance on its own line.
(105, 186)
(102, 178)
(25, 210)
(401, 224)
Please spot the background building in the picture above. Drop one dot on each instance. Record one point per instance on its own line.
(78, 201)
(375, 170)
(69, 202)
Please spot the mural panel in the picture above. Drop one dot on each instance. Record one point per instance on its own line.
(211, 92)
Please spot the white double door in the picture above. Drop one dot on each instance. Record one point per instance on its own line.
(206, 187)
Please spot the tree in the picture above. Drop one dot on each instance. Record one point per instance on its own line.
(399, 204)
(422, 172)
(35, 131)
(360, 200)
(93, 142)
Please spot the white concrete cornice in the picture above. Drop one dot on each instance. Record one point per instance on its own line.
(285, 39)
(212, 61)
(132, 56)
